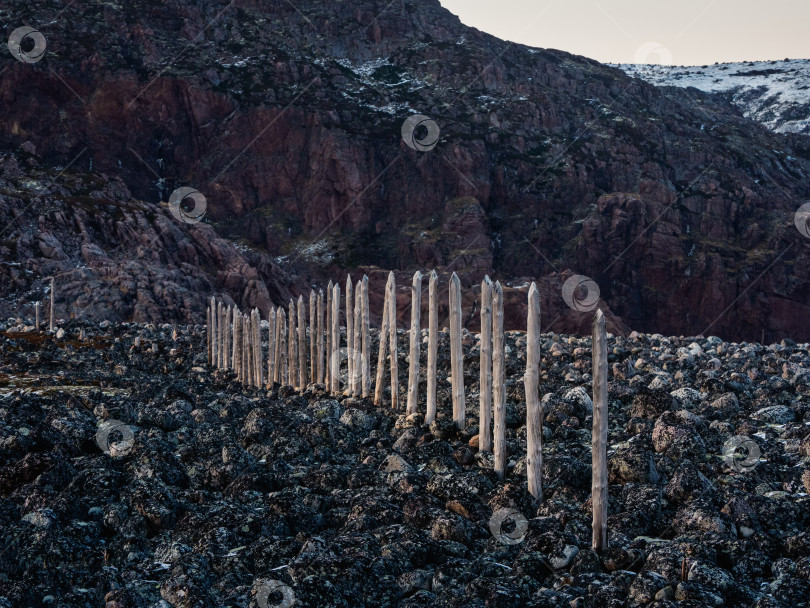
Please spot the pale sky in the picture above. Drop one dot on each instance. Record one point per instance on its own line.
(679, 32)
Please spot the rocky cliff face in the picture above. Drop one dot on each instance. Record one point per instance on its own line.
(288, 118)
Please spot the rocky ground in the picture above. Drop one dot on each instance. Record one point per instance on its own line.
(208, 492)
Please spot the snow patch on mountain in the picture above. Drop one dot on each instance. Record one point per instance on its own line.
(774, 93)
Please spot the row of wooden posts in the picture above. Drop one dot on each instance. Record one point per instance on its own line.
(235, 343)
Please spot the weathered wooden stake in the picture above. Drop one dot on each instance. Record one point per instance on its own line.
(335, 359)
(485, 400)
(228, 336)
(319, 376)
(250, 366)
(498, 381)
(281, 346)
(416, 341)
(366, 342)
(302, 344)
(355, 352)
(208, 334)
(312, 335)
(257, 336)
(599, 483)
(234, 346)
(50, 310)
(392, 331)
(433, 345)
(384, 341)
(456, 353)
(329, 313)
(534, 408)
(292, 351)
(349, 334)
(271, 346)
(36, 316)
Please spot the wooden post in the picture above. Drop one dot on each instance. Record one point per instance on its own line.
(599, 484)
(292, 359)
(36, 316)
(498, 381)
(50, 311)
(355, 352)
(221, 330)
(319, 376)
(392, 329)
(249, 364)
(384, 341)
(433, 345)
(334, 359)
(312, 327)
(257, 337)
(281, 346)
(349, 334)
(234, 342)
(302, 344)
(485, 400)
(534, 408)
(237, 344)
(208, 334)
(271, 346)
(456, 353)
(329, 312)
(365, 360)
(227, 343)
(416, 340)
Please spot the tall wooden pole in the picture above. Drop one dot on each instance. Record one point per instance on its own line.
(485, 401)
(334, 361)
(281, 346)
(415, 344)
(36, 316)
(392, 330)
(349, 334)
(313, 371)
(221, 328)
(234, 345)
(366, 340)
(50, 309)
(257, 337)
(236, 351)
(208, 333)
(302, 344)
(356, 353)
(271, 346)
(292, 359)
(319, 375)
(433, 345)
(456, 353)
(498, 381)
(534, 408)
(329, 312)
(384, 341)
(599, 484)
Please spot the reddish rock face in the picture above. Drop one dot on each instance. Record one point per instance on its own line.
(289, 120)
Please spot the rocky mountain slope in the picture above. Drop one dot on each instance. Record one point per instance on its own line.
(288, 118)
(774, 93)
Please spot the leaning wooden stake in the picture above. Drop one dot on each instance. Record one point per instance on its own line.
(433, 345)
(292, 351)
(50, 310)
(456, 353)
(334, 360)
(319, 375)
(534, 408)
(599, 484)
(271, 347)
(416, 341)
(349, 334)
(327, 374)
(355, 352)
(312, 326)
(36, 316)
(485, 399)
(365, 360)
(498, 381)
(392, 332)
(302, 344)
(383, 351)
